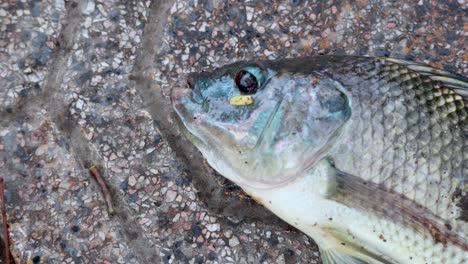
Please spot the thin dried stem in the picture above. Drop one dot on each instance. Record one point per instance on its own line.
(97, 176)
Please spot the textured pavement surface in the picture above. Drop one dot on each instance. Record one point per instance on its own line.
(86, 83)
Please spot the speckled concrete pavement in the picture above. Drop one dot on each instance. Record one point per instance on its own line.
(87, 82)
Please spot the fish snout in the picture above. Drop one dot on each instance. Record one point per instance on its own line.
(176, 94)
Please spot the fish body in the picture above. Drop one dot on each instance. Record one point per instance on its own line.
(368, 156)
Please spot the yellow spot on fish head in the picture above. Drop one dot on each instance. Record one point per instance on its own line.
(241, 100)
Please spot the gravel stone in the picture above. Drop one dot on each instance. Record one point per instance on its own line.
(233, 242)
(170, 196)
(132, 181)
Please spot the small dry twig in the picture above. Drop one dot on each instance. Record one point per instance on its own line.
(4, 222)
(97, 176)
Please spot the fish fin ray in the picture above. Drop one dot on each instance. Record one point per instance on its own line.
(337, 257)
(456, 82)
(349, 250)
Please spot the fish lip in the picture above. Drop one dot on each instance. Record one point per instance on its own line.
(178, 93)
(180, 98)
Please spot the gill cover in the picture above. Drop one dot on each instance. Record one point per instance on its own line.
(303, 128)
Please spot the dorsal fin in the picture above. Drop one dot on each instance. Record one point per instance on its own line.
(450, 80)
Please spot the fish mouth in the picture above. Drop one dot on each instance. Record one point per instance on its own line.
(182, 100)
(184, 106)
(188, 114)
(178, 93)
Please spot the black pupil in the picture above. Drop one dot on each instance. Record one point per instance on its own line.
(246, 82)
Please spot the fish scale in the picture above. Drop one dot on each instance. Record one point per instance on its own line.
(444, 151)
(447, 144)
(368, 156)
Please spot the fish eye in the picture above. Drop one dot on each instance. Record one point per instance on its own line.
(249, 79)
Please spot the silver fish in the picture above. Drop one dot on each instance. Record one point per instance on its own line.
(368, 156)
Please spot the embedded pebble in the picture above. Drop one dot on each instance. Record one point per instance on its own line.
(233, 241)
(170, 196)
(132, 181)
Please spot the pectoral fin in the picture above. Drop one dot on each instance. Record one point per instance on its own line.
(339, 257)
(344, 250)
(375, 199)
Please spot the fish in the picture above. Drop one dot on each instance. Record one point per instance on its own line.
(366, 155)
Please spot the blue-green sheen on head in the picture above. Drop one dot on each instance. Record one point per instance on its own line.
(290, 124)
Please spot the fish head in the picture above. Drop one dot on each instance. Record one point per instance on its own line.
(287, 124)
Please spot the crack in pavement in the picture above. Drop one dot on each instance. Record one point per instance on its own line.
(83, 151)
(70, 130)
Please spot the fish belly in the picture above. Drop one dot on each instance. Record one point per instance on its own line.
(303, 203)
